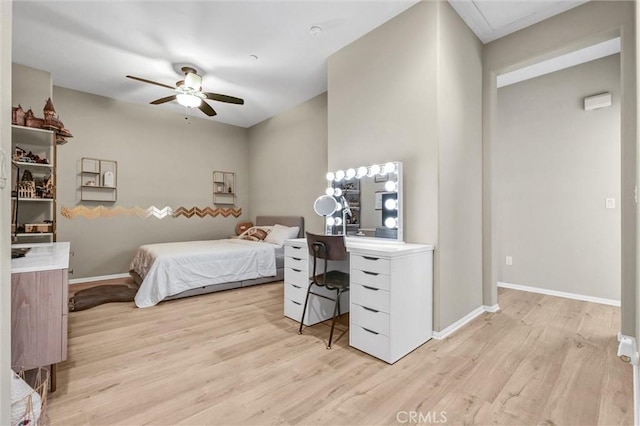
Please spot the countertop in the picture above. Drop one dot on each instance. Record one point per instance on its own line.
(376, 247)
(41, 257)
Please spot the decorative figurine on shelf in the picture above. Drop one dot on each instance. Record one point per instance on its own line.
(17, 116)
(51, 121)
(48, 187)
(27, 189)
(229, 190)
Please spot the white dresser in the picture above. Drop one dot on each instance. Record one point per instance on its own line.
(391, 295)
(391, 298)
(298, 267)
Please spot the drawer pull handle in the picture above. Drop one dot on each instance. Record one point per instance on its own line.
(370, 258)
(295, 258)
(296, 248)
(371, 273)
(370, 331)
(296, 286)
(297, 270)
(370, 288)
(297, 303)
(371, 310)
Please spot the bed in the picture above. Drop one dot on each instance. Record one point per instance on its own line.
(175, 270)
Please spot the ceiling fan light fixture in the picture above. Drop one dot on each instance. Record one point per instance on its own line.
(193, 81)
(189, 101)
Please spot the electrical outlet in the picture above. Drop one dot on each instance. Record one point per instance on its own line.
(509, 260)
(610, 203)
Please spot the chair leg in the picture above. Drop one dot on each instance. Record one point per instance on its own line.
(306, 301)
(333, 322)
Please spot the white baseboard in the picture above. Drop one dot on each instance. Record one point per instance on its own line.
(100, 278)
(439, 335)
(574, 296)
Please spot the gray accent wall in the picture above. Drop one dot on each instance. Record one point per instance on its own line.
(163, 160)
(410, 91)
(288, 162)
(555, 164)
(582, 26)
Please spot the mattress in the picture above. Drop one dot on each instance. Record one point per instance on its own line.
(171, 268)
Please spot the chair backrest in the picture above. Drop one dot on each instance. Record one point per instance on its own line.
(328, 247)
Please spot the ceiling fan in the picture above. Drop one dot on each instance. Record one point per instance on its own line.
(189, 92)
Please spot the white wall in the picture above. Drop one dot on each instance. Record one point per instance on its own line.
(5, 215)
(288, 161)
(555, 164)
(162, 161)
(582, 26)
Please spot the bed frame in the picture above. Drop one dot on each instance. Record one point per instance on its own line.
(260, 221)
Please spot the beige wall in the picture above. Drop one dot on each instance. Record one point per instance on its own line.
(582, 26)
(410, 91)
(459, 250)
(555, 164)
(5, 216)
(30, 88)
(163, 160)
(288, 161)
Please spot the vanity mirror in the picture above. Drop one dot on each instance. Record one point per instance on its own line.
(372, 200)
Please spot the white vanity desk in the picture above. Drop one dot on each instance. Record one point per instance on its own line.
(390, 298)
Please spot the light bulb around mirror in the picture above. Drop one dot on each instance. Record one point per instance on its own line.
(350, 174)
(389, 168)
(337, 192)
(362, 172)
(329, 191)
(339, 175)
(338, 221)
(331, 176)
(390, 186)
(375, 169)
(330, 221)
(391, 222)
(390, 204)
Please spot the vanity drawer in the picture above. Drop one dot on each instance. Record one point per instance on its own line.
(293, 309)
(299, 277)
(300, 252)
(371, 279)
(369, 341)
(295, 292)
(370, 263)
(371, 319)
(296, 263)
(370, 297)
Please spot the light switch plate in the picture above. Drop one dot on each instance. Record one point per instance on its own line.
(509, 260)
(610, 203)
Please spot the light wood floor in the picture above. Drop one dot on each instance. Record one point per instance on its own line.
(232, 358)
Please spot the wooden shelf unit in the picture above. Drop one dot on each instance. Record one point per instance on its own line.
(92, 180)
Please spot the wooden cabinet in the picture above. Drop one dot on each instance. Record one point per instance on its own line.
(391, 299)
(298, 266)
(98, 180)
(33, 184)
(39, 307)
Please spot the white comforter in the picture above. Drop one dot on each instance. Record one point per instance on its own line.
(172, 268)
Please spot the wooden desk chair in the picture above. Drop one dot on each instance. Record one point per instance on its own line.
(326, 247)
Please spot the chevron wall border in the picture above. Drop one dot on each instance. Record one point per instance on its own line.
(152, 211)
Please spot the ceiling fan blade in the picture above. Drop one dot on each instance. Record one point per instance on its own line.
(150, 82)
(163, 100)
(224, 98)
(206, 108)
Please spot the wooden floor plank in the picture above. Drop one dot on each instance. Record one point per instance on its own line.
(233, 358)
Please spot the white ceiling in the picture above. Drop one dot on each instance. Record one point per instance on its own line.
(492, 19)
(91, 45)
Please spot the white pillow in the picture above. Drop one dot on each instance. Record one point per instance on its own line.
(279, 233)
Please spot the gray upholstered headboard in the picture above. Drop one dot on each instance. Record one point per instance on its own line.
(282, 220)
